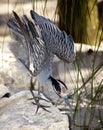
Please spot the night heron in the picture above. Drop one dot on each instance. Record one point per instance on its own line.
(42, 39)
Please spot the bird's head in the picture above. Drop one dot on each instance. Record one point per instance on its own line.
(61, 90)
(59, 87)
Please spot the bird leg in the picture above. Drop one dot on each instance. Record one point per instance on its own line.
(68, 103)
(38, 98)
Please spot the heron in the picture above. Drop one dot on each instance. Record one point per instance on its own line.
(42, 40)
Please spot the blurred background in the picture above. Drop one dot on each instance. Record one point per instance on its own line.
(83, 19)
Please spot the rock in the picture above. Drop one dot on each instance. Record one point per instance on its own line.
(18, 113)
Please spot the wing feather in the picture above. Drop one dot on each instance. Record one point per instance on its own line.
(30, 36)
(57, 41)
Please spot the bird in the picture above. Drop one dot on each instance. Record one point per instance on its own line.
(42, 40)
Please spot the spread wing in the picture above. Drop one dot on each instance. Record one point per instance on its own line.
(57, 41)
(29, 34)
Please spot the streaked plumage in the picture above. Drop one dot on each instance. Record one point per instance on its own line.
(42, 40)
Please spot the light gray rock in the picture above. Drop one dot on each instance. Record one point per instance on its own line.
(18, 113)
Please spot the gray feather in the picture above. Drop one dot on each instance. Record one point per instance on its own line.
(42, 39)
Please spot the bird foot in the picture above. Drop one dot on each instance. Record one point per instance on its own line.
(37, 102)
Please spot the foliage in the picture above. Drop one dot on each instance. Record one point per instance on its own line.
(72, 18)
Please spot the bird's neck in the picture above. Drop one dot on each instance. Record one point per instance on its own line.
(43, 76)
